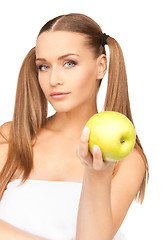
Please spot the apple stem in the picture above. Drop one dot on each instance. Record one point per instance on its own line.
(122, 141)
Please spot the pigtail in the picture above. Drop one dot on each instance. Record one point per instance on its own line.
(30, 115)
(117, 98)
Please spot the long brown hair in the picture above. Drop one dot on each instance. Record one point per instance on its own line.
(30, 112)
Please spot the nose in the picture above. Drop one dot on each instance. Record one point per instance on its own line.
(55, 77)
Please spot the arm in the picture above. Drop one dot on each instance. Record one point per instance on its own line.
(105, 200)
(9, 232)
(95, 220)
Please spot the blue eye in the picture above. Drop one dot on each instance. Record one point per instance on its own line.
(43, 67)
(70, 64)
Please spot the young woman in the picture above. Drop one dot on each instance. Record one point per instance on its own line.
(51, 186)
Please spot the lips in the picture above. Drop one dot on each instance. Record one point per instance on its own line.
(59, 95)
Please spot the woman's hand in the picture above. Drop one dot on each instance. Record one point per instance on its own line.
(94, 161)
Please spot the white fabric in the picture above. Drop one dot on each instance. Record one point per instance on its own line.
(45, 208)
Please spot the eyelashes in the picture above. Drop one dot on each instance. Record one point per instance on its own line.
(70, 63)
(42, 67)
(67, 64)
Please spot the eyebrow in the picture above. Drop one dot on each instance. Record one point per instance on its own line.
(59, 58)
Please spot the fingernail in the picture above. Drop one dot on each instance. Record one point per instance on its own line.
(85, 131)
(95, 149)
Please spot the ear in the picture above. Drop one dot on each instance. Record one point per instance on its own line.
(101, 66)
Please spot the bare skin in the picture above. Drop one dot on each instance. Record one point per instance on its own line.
(104, 200)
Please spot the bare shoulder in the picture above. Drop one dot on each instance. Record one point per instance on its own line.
(132, 168)
(4, 132)
(129, 176)
(136, 162)
(125, 185)
(135, 159)
(4, 137)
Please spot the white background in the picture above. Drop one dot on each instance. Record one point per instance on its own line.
(138, 27)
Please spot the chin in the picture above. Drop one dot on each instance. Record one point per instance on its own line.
(61, 108)
(68, 106)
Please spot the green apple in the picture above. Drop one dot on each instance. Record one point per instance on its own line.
(113, 132)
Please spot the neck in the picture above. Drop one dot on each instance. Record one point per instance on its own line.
(72, 122)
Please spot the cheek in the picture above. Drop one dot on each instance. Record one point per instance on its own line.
(43, 86)
(42, 81)
(87, 80)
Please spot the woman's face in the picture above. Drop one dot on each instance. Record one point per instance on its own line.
(66, 65)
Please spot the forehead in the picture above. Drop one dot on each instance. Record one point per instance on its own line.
(59, 43)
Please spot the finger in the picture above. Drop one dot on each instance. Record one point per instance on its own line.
(97, 158)
(83, 149)
(82, 160)
(85, 163)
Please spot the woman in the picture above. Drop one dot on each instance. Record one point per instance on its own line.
(66, 69)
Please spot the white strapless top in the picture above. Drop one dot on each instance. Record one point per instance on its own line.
(44, 208)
